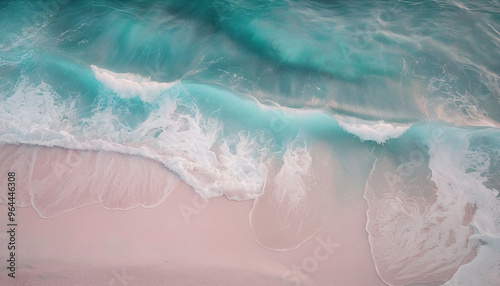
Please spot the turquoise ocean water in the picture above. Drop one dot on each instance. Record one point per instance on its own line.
(405, 94)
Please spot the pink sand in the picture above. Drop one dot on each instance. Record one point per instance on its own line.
(182, 241)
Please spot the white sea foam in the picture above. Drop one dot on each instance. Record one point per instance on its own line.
(297, 195)
(416, 229)
(457, 168)
(242, 163)
(294, 180)
(485, 268)
(378, 131)
(129, 85)
(175, 134)
(444, 208)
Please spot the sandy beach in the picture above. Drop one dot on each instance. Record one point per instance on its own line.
(185, 240)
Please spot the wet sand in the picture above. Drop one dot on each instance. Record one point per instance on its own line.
(185, 240)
